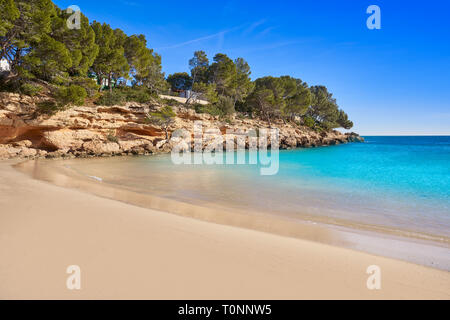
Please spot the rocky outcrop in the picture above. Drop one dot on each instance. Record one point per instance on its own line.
(124, 130)
(354, 137)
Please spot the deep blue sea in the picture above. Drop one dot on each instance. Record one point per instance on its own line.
(400, 183)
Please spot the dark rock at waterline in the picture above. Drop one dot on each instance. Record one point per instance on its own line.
(354, 137)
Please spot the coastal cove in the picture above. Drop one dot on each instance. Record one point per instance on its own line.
(217, 152)
(378, 218)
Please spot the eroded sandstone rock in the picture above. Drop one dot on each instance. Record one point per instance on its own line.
(122, 130)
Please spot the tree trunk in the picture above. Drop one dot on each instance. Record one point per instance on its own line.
(100, 82)
(109, 83)
(167, 133)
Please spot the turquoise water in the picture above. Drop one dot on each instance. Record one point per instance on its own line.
(400, 183)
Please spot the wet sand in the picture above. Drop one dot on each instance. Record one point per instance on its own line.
(425, 249)
(129, 252)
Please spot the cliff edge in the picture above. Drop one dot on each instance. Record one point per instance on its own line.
(88, 131)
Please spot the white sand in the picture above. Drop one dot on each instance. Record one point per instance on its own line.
(127, 252)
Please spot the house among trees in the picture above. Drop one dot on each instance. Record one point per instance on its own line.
(189, 94)
(104, 83)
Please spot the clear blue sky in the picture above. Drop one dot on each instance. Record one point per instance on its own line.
(390, 81)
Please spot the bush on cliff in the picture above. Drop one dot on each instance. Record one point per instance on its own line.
(20, 86)
(126, 94)
(164, 118)
(30, 89)
(309, 122)
(170, 102)
(72, 94)
(136, 94)
(208, 108)
(111, 98)
(88, 84)
(48, 107)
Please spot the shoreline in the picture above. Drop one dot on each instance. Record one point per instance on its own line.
(423, 249)
(127, 252)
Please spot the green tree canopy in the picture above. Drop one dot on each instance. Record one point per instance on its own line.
(296, 97)
(110, 62)
(80, 42)
(49, 59)
(222, 73)
(343, 120)
(324, 109)
(199, 65)
(180, 81)
(263, 102)
(242, 84)
(207, 90)
(8, 15)
(25, 23)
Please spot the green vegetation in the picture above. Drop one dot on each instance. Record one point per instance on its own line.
(180, 81)
(30, 89)
(112, 137)
(91, 86)
(111, 98)
(74, 63)
(48, 107)
(164, 118)
(121, 95)
(111, 67)
(211, 109)
(227, 86)
(72, 94)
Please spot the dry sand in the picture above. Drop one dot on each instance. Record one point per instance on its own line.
(127, 252)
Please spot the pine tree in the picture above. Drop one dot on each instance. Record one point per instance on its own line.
(49, 59)
(242, 84)
(199, 67)
(8, 15)
(80, 42)
(23, 29)
(180, 81)
(223, 74)
(110, 62)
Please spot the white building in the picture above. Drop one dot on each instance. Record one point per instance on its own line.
(189, 94)
(4, 65)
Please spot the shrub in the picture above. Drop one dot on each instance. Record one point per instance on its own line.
(19, 86)
(49, 107)
(72, 94)
(170, 102)
(225, 105)
(111, 98)
(136, 94)
(60, 80)
(208, 108)
(229, 121)
(112, 137)
(30, 89)
(90, 85)
(309, 122)
(9, 86)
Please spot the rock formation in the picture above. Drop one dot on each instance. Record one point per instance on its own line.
(122, 130)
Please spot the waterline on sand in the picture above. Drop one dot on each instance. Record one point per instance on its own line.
(425, 249)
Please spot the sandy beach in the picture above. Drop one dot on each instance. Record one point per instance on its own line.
(128, 252)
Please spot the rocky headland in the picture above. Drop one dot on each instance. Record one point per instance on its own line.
(90, 131)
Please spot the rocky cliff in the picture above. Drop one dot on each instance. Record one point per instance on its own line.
(120, 130)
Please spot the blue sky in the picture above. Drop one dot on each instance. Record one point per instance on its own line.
(390, 81)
